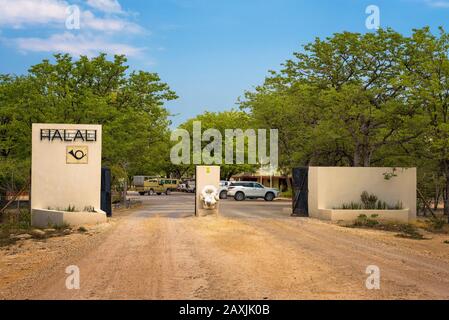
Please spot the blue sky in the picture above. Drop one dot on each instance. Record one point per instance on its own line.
(209, 51)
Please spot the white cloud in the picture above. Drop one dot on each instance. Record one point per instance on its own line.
(20, 12)
(51, 13)
(106, 5)
(96, 34)
(438, 3)
(90, 21)
(75, 45)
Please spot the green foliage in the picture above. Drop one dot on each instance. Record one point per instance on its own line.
(405, 230)
(390, 175)
(130, 106)
(89, 209)
(409, 231)
(436, 223)
(70, 208)
(370, 202)
(340, 100)
(363, 221)
(362, 99)
(352, 206)
(221, 121)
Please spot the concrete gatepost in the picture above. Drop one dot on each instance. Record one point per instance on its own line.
(66, 175)
(206, 177)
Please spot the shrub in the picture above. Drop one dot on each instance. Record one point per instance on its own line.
(370, 202)
(436, 223)
(363, 221)
(70, 208)
(352, 206)
(405, 230)
(409, 231)
(89, 209)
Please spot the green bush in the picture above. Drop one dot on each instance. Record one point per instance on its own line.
(370, 202)
(70, 208)
(405, 230)
(409, 231)
(352, 206)
(363, 221)
(436, 223)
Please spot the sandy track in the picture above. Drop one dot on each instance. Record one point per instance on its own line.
(254, 251)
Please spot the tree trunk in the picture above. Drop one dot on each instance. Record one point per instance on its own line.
(446, 197)
(357, 157)
(362, 156)
(446, 193)
(125, 191)
(437, 196)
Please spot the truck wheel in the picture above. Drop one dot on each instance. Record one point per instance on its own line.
(142, 193)
(224, 194)
(239, 196)
(269, 196)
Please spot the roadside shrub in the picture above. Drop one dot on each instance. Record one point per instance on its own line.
(287, 194)
(398, 206)
(89, 209)
(363, 221)
(369, 200)
(408, 231)
(436, 223)
(70, 208)
(352, 206)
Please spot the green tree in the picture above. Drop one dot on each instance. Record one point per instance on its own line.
(130, 106)
(428, 82)
(358, 90)
(222, 121)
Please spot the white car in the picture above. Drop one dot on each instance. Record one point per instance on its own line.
(242, 190)
(223, 191)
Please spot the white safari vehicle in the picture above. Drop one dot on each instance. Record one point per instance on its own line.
(242, 190)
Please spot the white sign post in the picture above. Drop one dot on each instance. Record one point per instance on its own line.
(66, 175)
(207, 190)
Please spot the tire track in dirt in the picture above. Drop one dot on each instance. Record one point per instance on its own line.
(404, 274)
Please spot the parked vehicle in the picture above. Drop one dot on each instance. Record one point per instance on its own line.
(242, 190)
(190, 186)
(147, 185)
(223, 191)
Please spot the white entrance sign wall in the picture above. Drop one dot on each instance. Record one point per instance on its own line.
(331, 187)
(206, 176)
(66, 172)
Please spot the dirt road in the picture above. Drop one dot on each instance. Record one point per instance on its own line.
(253, 251)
